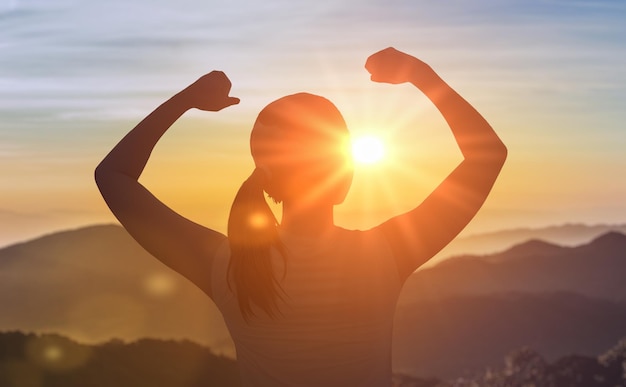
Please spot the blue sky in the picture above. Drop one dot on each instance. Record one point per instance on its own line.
(75, 75)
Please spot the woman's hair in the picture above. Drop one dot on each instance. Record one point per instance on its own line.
(299, 145)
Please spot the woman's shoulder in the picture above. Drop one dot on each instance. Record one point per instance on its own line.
(365, 237)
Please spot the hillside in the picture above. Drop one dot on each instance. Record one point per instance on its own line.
(563, 235)
(96, 283)
(55, 361)
(461, 335)
(596, 269)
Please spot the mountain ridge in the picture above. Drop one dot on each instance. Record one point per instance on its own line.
(465, 334)
(536, 246)
(71, 281)
(97, 283)
(568, 234)
(595, 269)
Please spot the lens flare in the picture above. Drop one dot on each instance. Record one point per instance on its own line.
(159, 284)
(259, 220)
(56, 353)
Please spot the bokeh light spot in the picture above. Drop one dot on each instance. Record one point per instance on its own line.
(52, 353)
(259, 220)
(159, 284)
(56, 353)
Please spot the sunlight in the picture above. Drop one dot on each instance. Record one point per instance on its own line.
(368, 149)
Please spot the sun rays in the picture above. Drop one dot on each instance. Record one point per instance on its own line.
(368, 149)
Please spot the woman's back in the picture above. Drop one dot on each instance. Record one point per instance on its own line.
(336, 317)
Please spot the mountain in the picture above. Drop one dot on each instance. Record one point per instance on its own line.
(564, 235)
(596, 269)
(464, 335)
(97, 283)
(54, 360)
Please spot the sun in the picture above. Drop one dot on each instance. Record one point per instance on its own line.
(368, 149)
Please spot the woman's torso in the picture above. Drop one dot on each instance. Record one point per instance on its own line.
(336, 318)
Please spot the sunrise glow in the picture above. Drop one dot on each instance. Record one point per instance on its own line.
(368, 149)
(517, 64)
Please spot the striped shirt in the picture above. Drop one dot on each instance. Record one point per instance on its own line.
(336, 320)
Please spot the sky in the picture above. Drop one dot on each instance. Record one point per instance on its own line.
(76, 75)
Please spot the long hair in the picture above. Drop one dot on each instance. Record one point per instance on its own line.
(296, 138)
(252, 233)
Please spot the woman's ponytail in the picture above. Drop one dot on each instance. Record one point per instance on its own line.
(252, 233)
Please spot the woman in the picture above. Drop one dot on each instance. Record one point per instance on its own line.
(306, 302)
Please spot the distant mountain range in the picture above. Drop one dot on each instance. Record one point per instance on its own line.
(457, 336)
(596, 269)
(563, 235)
(97, 283)
(557, 300)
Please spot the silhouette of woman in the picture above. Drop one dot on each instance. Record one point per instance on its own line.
(306, 302)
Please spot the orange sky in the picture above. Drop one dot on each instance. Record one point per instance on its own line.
(548, 77)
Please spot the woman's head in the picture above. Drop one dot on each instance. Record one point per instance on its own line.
(300, 147)
(302, 142)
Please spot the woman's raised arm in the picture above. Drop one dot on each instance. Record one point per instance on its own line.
(181, 244)
(419, 234)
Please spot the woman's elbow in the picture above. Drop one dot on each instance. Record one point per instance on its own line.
(98, 173)
(102, 176)
(488, 153)
(496, 151)
(501, 152)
